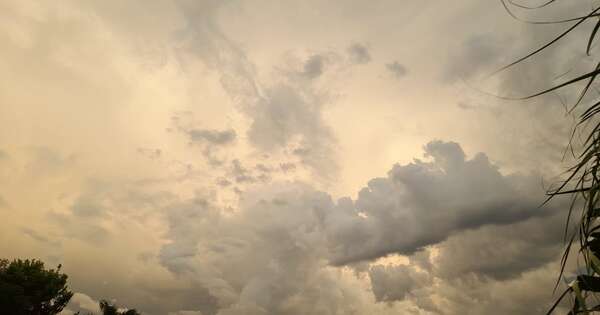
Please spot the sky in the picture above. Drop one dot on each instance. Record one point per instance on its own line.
(285, 157)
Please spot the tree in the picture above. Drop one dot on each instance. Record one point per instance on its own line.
(582, 181)
(108, 308)
(27, 288)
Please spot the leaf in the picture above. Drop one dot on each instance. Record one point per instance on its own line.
(592, 36)
(588, 283)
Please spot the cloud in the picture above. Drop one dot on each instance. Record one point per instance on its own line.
(428, 202)
(239, 173)
(313, 67)
(276, 253)
(152, 154)
(526, 245)
(477, 54)
(223, 182)
(287, 167)
(282, 111)
(39, 237)
(47, 161)
(211, 136)
(288, 248)
(269, 266)
(393, 283)
(396, 69)
(527, 294)
(493, 269)
(290, 118)
(359, 53)
(87, 207)
(81, 302)
(213, 143)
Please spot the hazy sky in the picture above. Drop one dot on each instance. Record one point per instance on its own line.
(284, 157)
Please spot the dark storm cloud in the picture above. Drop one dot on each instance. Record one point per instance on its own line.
(502, 252)
(359, 54)
(396, 69)
(530, 293)
(429, 201)
(493, 257)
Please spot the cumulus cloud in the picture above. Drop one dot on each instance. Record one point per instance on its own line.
(429, 201)
(81, 302)
(528, 245)
(272, 265)
(527, 294)
(275, 264)
(506, 269)
(393, 283)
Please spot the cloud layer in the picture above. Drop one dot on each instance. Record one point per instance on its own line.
(223, 157)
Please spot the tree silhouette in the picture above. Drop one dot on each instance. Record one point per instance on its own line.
(27, 288)
(108, 308)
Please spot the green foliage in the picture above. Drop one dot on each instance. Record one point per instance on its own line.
(27, 288)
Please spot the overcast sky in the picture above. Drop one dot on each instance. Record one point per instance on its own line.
(284, 157)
